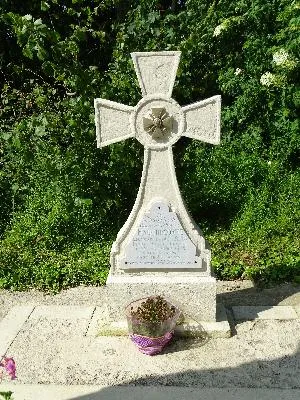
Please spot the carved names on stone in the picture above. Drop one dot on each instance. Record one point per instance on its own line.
(159, 241)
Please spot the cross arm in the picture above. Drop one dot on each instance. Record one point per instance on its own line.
(156, 71)
(202, 120)
(112, 122)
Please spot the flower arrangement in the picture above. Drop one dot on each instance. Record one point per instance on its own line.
(9, 366)
(151, 323)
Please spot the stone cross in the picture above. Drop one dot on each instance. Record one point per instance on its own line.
(159, 234)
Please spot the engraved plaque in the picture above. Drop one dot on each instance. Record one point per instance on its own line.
(160, 242)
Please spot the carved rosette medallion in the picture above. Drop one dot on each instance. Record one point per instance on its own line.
(158, 121)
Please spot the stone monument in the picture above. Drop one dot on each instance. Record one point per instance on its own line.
(159, 250)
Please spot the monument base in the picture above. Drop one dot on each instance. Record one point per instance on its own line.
(192, 293)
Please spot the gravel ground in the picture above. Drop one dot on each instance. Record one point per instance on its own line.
(260, 354)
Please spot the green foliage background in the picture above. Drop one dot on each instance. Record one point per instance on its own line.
(62, 201)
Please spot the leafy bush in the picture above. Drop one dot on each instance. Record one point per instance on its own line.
(62, 201)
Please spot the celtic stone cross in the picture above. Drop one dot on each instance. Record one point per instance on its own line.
(159, 234)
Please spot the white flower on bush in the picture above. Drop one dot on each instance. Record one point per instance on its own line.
(283, 59)
(280, 57)
(38, 22)
(226, 25)
(238, 71)
(220, 28)
(267, 79)
(28, 17)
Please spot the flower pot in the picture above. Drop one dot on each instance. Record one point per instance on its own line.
(149, 328)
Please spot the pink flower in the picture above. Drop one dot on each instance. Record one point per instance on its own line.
(10, 366)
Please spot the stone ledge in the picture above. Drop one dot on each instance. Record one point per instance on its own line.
(11, 325)
(246, 313)
(102, 325)
(297, 309)
(218, 329)
(62, 312)
(160, 277)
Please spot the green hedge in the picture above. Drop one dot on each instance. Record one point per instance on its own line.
(62, 201)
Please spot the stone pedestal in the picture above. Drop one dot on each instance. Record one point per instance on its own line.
(195, 295)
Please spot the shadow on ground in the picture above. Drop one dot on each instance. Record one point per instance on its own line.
(286, 293)
(259, 380)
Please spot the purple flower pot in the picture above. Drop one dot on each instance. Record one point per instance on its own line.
(150, 337)
(151, 346)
